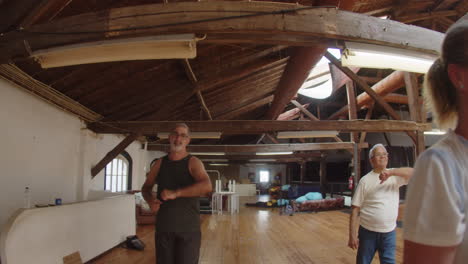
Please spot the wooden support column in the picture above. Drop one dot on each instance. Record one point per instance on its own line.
(113, 153)
(303, 170)
(352, 107)
(323, 175)
(357, 166)
(415, 107)
(368, 116)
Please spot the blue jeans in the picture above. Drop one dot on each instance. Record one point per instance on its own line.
(370, 242)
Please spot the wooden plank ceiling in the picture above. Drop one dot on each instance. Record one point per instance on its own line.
(228, 80)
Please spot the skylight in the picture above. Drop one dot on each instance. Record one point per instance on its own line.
(319, 84)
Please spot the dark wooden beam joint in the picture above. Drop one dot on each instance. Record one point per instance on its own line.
(113, 153)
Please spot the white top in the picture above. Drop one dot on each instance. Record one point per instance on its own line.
(437, 197)
(378, 202)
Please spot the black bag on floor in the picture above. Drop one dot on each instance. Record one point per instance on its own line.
(133, 242)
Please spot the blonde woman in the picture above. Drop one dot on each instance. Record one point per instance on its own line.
(435, 221)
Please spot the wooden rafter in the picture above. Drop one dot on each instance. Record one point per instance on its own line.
(303, 155)
(285, 20)
(379, 100)
(304, 110)
(259, 126)
(193, 79)
(113, 153)
(427, 16)
(262, 147)
(389, 84)
(44, 12)
(295, 73)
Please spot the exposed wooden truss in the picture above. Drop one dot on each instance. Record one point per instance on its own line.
(259, 126)
(274, 20)
(262, 147)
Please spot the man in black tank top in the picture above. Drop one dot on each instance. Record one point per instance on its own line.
(181, 179)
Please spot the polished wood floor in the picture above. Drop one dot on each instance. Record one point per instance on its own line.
(261, 236)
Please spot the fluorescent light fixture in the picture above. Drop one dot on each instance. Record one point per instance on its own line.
(306, 134)
(261, 160)
(182, 46)
(435, 132)
(260, 164)
(208, 153)
(274, 153)
(218, 164)
(196, 135)
(381, 57)
(319, 84)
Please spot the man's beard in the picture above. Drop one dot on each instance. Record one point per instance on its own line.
(176, 148)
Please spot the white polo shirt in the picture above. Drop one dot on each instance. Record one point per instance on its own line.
(437, 197)
(378, 202)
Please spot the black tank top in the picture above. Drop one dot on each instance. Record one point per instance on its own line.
(181, 214)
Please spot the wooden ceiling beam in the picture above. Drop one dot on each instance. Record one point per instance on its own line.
(364, 86)
(284, 20)
(262, 147)
(427, 16)
(289, 115)
(193, 79)
(113, 153)
(294, 75)
(259, 126)
(253, 156)
(305, 111)
(44, 12)
(389, 84)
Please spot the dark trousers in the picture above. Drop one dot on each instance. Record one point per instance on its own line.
(177, 247)
(370, 242)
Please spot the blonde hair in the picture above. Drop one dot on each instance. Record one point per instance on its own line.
(440, 94)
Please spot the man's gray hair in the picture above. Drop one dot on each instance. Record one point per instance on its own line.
(182, 125)
(372, 150)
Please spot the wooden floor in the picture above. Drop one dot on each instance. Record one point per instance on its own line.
(261, 236)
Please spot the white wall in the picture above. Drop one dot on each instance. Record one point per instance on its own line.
(46, 235)
(48, 150)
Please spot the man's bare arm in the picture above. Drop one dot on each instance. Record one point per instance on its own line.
(404, 172)
(201, 187)
(419, 253)
(147, 189)
(353, 241)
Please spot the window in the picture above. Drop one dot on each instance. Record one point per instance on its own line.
(118, 174)
(264, 176)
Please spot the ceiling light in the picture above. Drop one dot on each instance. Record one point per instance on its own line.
(306, 134)
(195, 135)
(380, 57)
(275, 153)
(435, 132)
(218, 164)
(182, 46)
